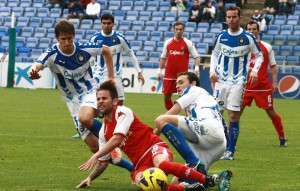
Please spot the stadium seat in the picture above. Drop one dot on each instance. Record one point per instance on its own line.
(170, 16)
(35, 53)
(286, 30)
(216, 28)
(202, 48)
(3, 31)
(148, 64)
(154, 56)
(150, 26)
(48, 23)
(292, 60)
(24, 52)
(51, 33)
(30, 12)
(139, 5)
(149, 46)
(292, 40)
(280, 60)
(152, 6)
(209, 38)
(12, 3)
(35, 22)
(65, 13)
(5, 42)
(55, 12)
(279, 40)
(38, 3)
(44, 43)
(164, 6)
(130, 35)
(27, 32)
(137, 25)
(190, 27)
(19, 11)
(156, 36)
(183, 17)
(106, 12)
(144, 15)
(141, 55)
(267, 38)
(25, 3)
(186, 35)
(296, 30)
(280, 20)
(7, 21)
(296, 51)
(273, 29)
(90, 33)
(126, 5)
(20, 41)
(32, 42)
(40, 32)
(125, 25)
(103, 4)
(270, 17)
(159, 46)
(2, 49)
(75, 22)
(86, 24)
(196, 37)
(119, 15)
(163, 26)
(136, 45)
(114, 5)
(80, 34)
(276, 49)
(202, 27)
(43, 12)
(168, 35)
(143, 35)
(22, 22)
(286, 50)
(97, 25)
(157, 16)
(293, 20)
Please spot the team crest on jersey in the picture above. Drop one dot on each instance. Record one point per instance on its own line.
(114, 40)
(81, 59)
(182, 47)
(242, 40)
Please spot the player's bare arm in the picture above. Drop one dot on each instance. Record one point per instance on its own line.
(213, 77)
(273, 71)
(197, 63)
(161, 66)
(108, 59)
(34, 71)
(253, 77)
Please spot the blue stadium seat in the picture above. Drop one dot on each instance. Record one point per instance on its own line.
(32, 42)
(126, 5)
(202, 27)
(55, 12)
(168, 35)
(3, 3)
(186, 35)
(48, 23)
(86, 24)
(156, 36)
(20, 41)
(137, 25)
(145, 16)
(279, 40)
(42, 12)
(5, 42)
(139, 5)
(280, 60)
(292, 60)
(276, 49)
(209, 38)
(125, 25)
(114, 5)
(216, 28)
(75, 22)
(190, 27)
(159, 46)
(149, 46)
(293, 20)
(202, 48)
(143, 35)
(97, 24)
(89, 33)
(51, 33)
(12, 3)
(196, 37)
(163, 26)
(141, 55)
(40, 32)
(35, 53)
(152, 6)
(286, 30)
(183, 17)
(148, 64)
(286, 50)
(106, 12)
(280, 20)
(296, 51)
(80, 34)
(25, 3)
(157, 16)
(130, 35)
(3, 31)
(292, 40)
(24, 52)
(22, 22)
(103, 4)
(44, 43)
(296, 30)
(2, 49)
(19, 11)
(273, 29)
(35, 22)
(136, 45)
(30, 12)
(154, 56)
(7, 21)
(27, 32)
(170, 16)
(65, 13)
(150, 26)
(270, 17)
(38, 3)
(164, 6)
(267, 38)
(119, 15)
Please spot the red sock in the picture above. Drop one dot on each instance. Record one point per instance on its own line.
(170, 187)
(278, 126)
(168, 104)
(181, 171)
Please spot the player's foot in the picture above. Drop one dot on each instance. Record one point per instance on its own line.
(198, 166)
(283, 142)
(193, 187)
(132, 176)
(211, 180)
(228, 155)
(224, 180)
(116, 155)
(77, 136)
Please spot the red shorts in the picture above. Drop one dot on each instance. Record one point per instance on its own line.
(147, 161)
(262, 99)
(169, 87)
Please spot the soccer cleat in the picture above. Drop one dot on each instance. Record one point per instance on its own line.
(198, 166)
(282, 142)
(193, 187)
(116, 155)
(224, 180)
(77, 136)
(211, 180)
(132, 176)
(228, 155)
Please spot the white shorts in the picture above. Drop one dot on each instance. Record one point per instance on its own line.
(89, 100)
(207, 139)
(229, 96)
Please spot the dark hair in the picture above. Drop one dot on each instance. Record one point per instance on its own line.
(233, 8)
(191, 77)
(178, 23)
(251, 23)
(64, 26)
(111, 87)
(108, 17)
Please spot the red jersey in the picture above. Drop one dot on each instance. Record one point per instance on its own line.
(139, 137)
(177, 54)
(263, 82)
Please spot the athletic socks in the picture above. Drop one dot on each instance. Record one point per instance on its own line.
(125, 164)
(96, 127)
(175, 137)
(168, 104)
(234, 132)
(225, 131)
(278, 126)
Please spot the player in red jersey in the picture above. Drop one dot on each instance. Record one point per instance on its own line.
(121, 128)
(175, 58)
(262, 91)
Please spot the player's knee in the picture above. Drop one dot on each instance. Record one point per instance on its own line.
(85, 121)
(94, 149)
(159, 122)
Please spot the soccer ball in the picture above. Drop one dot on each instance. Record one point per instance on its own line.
(153, 179)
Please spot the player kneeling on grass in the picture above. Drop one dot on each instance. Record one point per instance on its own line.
(123, 129)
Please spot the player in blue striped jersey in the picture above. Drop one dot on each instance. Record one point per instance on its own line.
(118, 44)
(229, 67)
(69, 63)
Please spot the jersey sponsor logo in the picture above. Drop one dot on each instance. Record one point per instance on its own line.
(81, 59)
(232, 52)
(289, 87)
(73, 75)
(175, 52)
(225, 40)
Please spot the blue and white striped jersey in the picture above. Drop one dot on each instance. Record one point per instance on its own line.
(231, 56)
(73, 73)
(117, 43)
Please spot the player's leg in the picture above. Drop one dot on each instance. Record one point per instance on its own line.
(169, 87)
(120, 90)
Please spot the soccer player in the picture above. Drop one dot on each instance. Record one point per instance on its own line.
(69, 63)
(262, 90)
(118, 44)
(175, 58)
(229, 66)
(202, 128)
(122, 128)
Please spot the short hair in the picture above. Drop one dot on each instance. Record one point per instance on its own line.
(178, 23)
(233, 8)
(251, 23)
(64, 26)
(191, 77)
(111, 87)
(108, 17)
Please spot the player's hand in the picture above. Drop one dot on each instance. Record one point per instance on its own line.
(141, 78)
(275, 87)
(252, 77)
(85, 183)
(33, 74)
(159, 77)
(89, 164)
(213, 77)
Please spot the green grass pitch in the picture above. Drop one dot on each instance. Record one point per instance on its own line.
(37, 152)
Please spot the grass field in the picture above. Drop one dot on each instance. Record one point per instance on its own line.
(37, 152)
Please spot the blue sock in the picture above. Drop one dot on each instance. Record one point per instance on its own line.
(96, 127)
(234, 132)
(175, 137)
(124, 164)
(226, 132)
